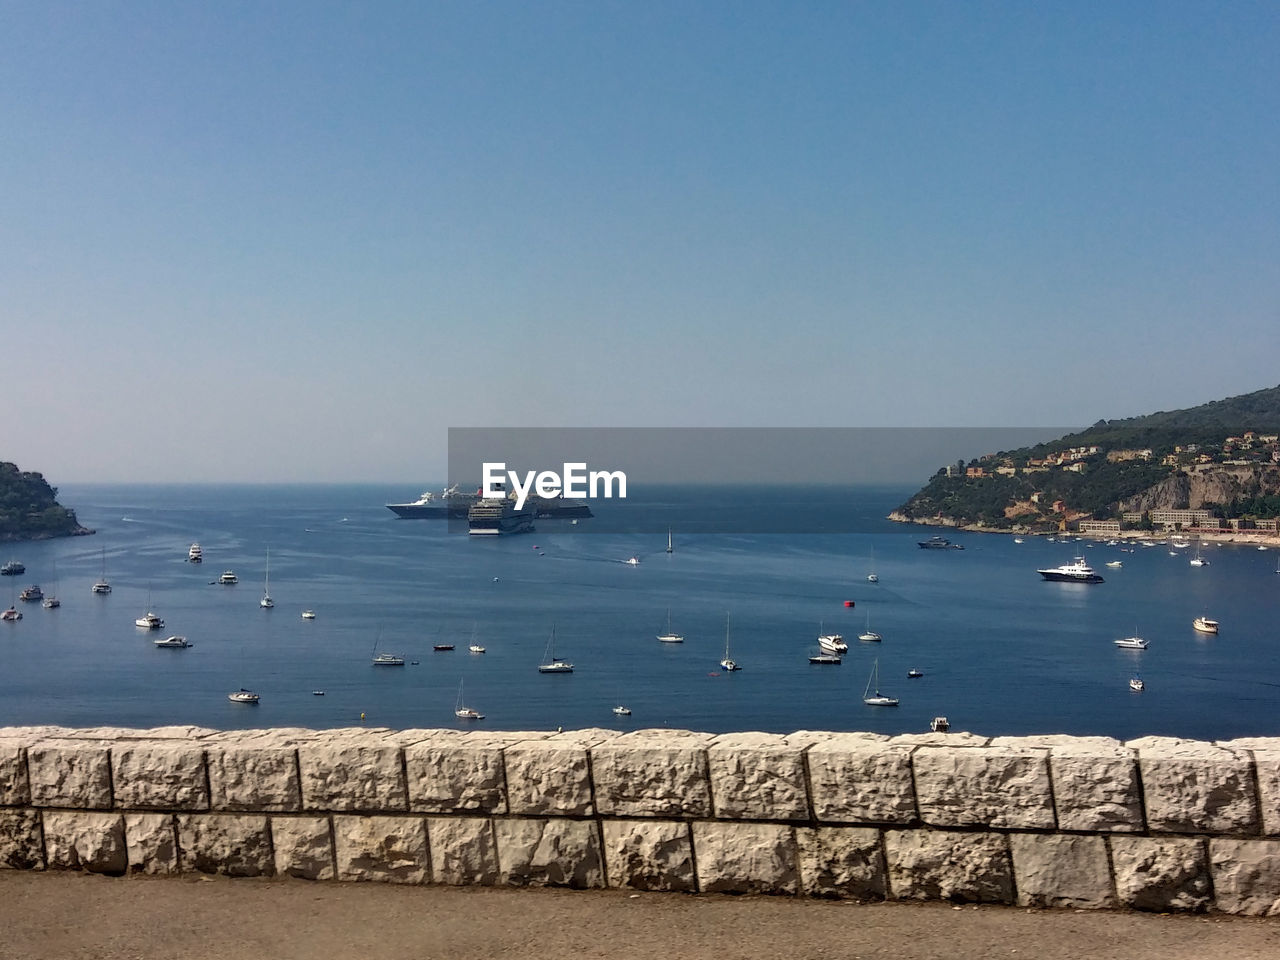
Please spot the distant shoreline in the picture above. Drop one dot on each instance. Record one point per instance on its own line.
(1264, 538)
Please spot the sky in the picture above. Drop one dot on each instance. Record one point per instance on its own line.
(298, 241)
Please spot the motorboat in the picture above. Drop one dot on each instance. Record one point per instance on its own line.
(149, 621)
(31, 593)
(632, 561)
(728, 664)
(13, 569)
(1205, 625)
(243, 696)
(50, 603)
(830, 659)
(1017, 539)
(873, 578)
(550, 662)
(228, 577)
(308, 614)
(914, 674)
(1136, 684)
(670, 636)
(388, 660)
(475, 648)
(876, 699)
(441, 647)
(172, 643)
(622, 711)
(1115, 563)
(939, 724)
(1077, 572)
(832, 642)
(1132, 643)
(194, 555)
(12, 614)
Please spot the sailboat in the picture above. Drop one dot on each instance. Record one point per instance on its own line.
(51, 600)
(102, 586)
(464, 712)
(385, 659)
(670, 636)
(868, 634)
(550, 662)
(873, 577)
(873, 683)
(149, 620)
(669, 550)
(266, 602)
(728, 663)
(1197, 560)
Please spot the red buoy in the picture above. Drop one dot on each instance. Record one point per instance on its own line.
(848, 603)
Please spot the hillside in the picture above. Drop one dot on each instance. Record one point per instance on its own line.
(29, 508)
(1222, 456)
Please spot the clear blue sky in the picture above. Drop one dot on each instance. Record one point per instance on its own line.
(298, 240)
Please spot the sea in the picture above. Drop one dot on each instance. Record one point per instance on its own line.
(1002, 651)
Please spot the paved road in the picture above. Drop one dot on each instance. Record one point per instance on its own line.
(70, 916)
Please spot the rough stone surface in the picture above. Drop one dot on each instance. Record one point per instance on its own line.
(166, 774)
(1095, 785)
(453, 773)
(151, 842)
(1160, 874)
(984, 786)
(253, 778)
(85, 841)
(841, 862)
(238, 845)
(649, 855)
(462, 850)
(14, 790)
(392, 849)
(302, 847)
(70, 773)
(564, 853)
(1193, 787)
(938, 865)
(655, 773)
(353, 772)
(854, 779)
(1246, 876)
(1061, 871)
(548, 777)
(757, 776)
(1267, 764)
(745, 857)
(20, 844)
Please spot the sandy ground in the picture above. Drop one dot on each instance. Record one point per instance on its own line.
(69, 916)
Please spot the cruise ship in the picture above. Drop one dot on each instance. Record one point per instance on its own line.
(498, 516)
(451, 504)
(1077, 572)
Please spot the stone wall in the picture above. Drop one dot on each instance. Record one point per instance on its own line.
(1153, 824)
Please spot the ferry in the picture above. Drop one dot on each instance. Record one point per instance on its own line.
(1077, 572)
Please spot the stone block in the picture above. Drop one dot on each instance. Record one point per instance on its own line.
(237, 845)
(745, 857)
(303, 847)
(70, 773)
(159, 775)
(463, 850)
(14, 788)
(1095, 785)
(757, 776)
(1193, 787)
(548, 777)
(942, 865)
(1061, 871)
(259, 778)
(984, 786)
(151, 841)
(454, 773)
(1161, 873)
(854, 779)
(358, 772)
(841, 862)
(1267, 767)
(653, 773)
(649, 855)
(21, 847)
(562, 853)
(76, 840)
(391, 849)
(1246, 876)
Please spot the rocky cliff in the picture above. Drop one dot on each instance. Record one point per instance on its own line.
(1208, 484)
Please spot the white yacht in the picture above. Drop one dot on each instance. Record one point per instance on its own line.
(476, 648)
(388, 660)
(243, 696)
(13, 614)
(228, 576)
(622, 711)
(1132, 643)
(632, 561)
(832, 642)
(1115, 563)
(939, 724)
(50, 602)
(1135, 683)
(550, 662)
(873, 683)
(172, 643)
(1077, 572)
(670, 636)
(1205, 625)
(308, 614)
(194, 555)
(149, 621)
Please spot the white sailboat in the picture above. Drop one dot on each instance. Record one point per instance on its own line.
(728, 663)
(1197, 560)
(868, 634)
(102, 586)
(669, 550)
(550, 662)
(266, 602)
(873, 577)
(873, 683)
(149, 620)
(463, 712)
(670, 636)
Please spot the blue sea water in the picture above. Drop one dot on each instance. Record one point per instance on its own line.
(1002, 651)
